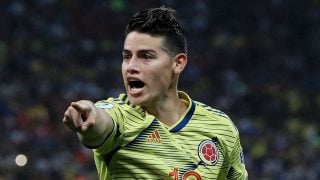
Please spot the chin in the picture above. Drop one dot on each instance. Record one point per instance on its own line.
(138, 101)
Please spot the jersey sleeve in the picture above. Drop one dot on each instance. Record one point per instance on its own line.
(237, 169)
(114, 138)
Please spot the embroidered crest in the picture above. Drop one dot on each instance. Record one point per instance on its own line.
(208, 152)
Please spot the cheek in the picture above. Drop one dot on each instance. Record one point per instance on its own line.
(122, 68)
(123, 72)
(159, 75)
(162, 78)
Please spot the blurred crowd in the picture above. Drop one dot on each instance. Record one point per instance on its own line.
(258, 61)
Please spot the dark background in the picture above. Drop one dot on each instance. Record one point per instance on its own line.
(258, 61)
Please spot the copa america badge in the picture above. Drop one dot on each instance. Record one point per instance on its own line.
(104, 105)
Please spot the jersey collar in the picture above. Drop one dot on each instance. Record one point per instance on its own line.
(187, 116)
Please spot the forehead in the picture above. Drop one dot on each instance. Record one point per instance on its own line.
(137, 41)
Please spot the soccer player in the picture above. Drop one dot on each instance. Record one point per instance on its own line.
(154, 131)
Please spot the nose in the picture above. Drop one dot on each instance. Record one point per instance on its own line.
(132, 66)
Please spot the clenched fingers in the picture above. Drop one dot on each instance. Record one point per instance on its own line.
(88, 113)
(72, 118)
(80, 115)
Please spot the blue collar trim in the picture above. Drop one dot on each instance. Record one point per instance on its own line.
(186, 119)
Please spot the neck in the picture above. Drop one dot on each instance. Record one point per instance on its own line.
(169, 110)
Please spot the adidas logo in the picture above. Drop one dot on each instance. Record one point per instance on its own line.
(154, 137)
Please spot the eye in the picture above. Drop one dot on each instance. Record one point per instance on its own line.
(148, 56)
(126, 56)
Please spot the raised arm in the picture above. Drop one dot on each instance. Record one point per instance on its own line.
(92, 124)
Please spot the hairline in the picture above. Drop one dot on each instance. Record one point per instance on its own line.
(164, 42)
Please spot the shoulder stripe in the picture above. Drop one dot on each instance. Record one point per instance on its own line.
(214, 111)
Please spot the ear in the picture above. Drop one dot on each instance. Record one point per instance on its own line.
(180, 62)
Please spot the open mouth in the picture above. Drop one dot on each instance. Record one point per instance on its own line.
(136, 84)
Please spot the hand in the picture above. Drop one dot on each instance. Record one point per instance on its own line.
(80, 116)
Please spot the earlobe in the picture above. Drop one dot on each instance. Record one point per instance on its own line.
(180, 62)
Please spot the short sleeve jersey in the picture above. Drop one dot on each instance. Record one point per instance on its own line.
(203, 144)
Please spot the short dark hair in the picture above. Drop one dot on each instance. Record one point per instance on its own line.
(160, 21)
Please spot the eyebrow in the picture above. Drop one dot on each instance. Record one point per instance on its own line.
(125, 50)
(140, 51)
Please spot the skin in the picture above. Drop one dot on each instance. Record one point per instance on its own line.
(146, 59)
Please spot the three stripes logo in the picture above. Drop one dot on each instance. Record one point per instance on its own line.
(154, 137)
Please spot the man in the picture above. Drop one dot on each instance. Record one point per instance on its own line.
(155, 131)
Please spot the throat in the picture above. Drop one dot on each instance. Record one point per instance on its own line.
(170, 115)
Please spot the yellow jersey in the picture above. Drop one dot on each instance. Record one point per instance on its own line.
(203, 144)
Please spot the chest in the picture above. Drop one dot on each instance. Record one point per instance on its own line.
(157, 151)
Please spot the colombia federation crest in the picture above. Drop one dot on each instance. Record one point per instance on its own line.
(208, 152)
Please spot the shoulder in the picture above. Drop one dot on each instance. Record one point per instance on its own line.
(111, 101)
(121, 110)
(203, 108)
(215, 117)
(211, 119)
